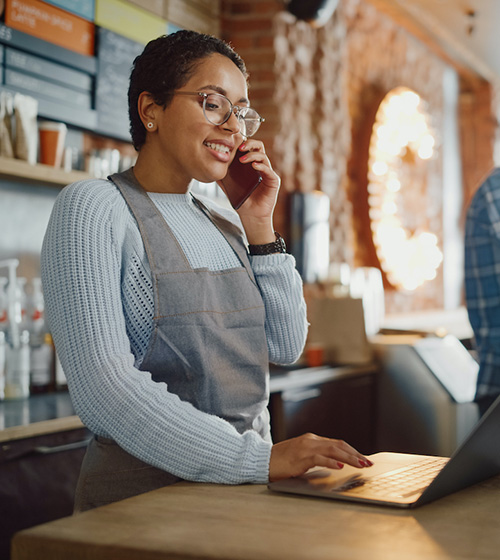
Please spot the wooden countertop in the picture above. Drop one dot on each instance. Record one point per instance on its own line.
(209, 522)
(38, 415)
(41, 428)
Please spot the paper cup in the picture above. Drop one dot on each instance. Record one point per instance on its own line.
(52, 138)
(314, 355)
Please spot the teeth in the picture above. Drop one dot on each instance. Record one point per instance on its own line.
(218, 147)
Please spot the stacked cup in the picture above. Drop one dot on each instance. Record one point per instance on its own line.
(52, 138)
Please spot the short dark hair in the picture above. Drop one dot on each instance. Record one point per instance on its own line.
(166, 64)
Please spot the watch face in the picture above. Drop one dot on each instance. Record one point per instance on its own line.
(282, 243)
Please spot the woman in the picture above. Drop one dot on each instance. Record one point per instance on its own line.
(164, 324)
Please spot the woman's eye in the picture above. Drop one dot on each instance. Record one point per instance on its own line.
(214, 103)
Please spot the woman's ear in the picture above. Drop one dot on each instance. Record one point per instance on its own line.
(147, 109)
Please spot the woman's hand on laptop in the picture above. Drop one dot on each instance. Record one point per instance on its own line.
(294, 457)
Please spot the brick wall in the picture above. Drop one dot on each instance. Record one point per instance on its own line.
(381, 57)
(477, 133)
(319, 89)
(250, 28)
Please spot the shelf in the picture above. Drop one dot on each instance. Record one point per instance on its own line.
(17, 170)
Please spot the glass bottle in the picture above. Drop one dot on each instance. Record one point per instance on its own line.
(60, 376)
(42, 373)
(42, 347)
(4, 313)
(2, 365)
(17, 377)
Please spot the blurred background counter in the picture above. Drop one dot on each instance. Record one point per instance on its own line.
(42, 444)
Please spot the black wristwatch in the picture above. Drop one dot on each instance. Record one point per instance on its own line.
(277, 246)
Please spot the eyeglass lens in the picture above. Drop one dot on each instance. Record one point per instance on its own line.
(218, 109)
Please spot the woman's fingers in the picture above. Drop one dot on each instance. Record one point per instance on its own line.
(295, 456)
(255, 155)
(251, 145)
(260, 204)
(344, 452)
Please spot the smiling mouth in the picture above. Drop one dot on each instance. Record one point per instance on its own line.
(218, 147)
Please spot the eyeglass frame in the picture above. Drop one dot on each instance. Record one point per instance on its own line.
(235, 109)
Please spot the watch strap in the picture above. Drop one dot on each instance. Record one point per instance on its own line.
(277, 246)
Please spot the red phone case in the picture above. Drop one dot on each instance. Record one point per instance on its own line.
(240, 182)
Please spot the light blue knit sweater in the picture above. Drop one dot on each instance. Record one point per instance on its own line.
(99, 306)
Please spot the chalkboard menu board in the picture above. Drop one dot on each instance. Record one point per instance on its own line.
(60, 80)
(84, 91)
(114, 63)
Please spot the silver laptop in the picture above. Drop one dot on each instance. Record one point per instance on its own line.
(406, 480)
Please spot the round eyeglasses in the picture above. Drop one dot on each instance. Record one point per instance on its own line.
(218, 109)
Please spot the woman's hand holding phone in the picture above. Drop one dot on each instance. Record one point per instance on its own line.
(240, 182)
(256, 211)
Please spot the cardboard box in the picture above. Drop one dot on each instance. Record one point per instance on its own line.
(51, 24)
(338, 326)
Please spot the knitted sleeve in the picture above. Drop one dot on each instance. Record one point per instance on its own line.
(80, 266)
(286, 316)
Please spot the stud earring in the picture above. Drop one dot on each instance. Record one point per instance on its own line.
(150, 125)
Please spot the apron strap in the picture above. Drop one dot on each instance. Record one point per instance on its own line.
(232, 233)
(152, 229)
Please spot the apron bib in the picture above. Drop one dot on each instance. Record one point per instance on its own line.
(208, 344)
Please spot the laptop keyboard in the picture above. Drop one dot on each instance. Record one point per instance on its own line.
(400, 483)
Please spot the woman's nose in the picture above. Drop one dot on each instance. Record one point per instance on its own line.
(233, 122)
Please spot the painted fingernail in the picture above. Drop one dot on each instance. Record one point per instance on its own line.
(340, 465)
(243, 158)
(242, 147)
(370, 464)
(363, 463)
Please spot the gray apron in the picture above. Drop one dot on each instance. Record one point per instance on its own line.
(208, 344)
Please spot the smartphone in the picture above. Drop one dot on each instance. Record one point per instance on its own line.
(240, 182)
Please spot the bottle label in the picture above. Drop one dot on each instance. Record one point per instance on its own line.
(41, 365)
(2, 370)
(17, 378)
